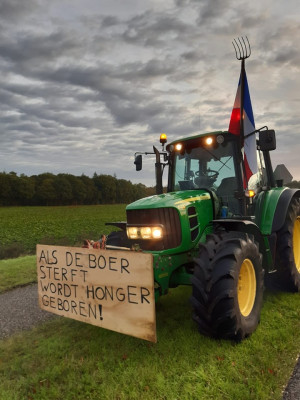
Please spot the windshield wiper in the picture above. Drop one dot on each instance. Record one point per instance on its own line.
(216, 158)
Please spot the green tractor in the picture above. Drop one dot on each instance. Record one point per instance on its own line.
(209, 232)
(216, 232)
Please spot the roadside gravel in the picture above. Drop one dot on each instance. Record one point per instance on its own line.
(19, 310)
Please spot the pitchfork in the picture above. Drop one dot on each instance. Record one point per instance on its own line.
(242, 50)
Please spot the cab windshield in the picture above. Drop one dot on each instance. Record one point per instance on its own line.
(205, 167)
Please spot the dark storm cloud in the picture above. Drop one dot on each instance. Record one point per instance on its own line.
(121, 89)
(112, 86)
(227, 19)
(280, 47)
(214, 9)
(157, 30)
(92, 85)
(13, 9)
(33, 48)
(109, 21)
(150, 70)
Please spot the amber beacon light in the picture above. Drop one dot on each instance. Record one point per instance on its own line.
(163, 138)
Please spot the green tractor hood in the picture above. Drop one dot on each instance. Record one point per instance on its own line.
(179, 200)
(185, 214)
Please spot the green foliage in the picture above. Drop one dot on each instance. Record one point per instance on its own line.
(11, 250)
(65, 359)
(294, 184)
(17, 272)
(66, 189)
(67, 225)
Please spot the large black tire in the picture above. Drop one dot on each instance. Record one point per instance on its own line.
(118, 238)
(288, 250)
(228, 286)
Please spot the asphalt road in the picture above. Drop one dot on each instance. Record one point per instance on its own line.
(19, 311)
(292, 391)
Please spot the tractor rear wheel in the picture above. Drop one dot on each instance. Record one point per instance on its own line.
(288, 249)
(228, 286)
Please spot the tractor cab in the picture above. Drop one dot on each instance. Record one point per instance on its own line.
(214, 162)
(210, 162)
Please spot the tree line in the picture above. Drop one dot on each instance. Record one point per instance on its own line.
(48, 189)
(294, 184)
(65, 189)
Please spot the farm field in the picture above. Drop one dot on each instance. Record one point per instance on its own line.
(21, 228)
(68, 359)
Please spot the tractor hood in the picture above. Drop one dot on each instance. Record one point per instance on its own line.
(179, 200)
(184, 216)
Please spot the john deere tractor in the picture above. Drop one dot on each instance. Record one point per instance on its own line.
(210, 232)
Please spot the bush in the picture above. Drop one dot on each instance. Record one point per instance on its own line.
(12, 250)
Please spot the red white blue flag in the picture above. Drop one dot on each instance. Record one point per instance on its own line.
(249, 143)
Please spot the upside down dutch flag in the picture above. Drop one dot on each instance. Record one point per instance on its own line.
(249, 143)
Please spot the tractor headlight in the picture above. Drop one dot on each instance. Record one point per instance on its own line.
(144, 232)
(178, 146)
(209, 141)
(132, 232)
(157, 232)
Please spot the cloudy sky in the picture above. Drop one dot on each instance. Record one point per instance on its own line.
(85, 84)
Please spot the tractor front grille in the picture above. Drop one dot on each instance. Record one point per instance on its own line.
(167, 217)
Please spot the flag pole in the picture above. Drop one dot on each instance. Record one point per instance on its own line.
(242, 52)
(242, 77)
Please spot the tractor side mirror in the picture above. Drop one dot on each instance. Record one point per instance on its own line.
(138, 161)
(267, 140)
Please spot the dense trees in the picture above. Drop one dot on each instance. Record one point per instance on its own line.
(65, 189)
(294, 184)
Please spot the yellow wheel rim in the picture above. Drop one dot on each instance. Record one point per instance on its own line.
(246, 287)
(296, 243)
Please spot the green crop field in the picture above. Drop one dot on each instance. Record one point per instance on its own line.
(21, 228)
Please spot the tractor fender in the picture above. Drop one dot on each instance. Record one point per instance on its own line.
(244, 225)
(282, 207)
(265, 205)
(251, 228)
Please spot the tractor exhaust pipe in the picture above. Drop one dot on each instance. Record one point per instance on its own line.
(158, 172)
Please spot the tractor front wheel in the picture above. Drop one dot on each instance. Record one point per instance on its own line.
(228, 286)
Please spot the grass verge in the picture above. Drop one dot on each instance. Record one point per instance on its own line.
(65, 359)
(17, 272)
